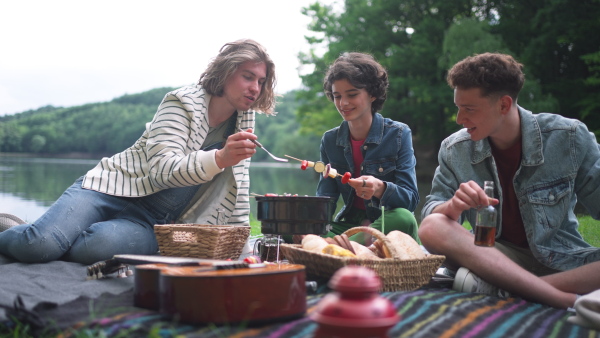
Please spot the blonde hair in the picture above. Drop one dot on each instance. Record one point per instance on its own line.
(230, 57)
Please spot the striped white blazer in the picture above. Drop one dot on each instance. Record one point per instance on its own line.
(168, 155)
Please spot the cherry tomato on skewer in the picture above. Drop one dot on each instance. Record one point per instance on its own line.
(347, 176)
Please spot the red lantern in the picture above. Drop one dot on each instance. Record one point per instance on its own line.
(355, 308)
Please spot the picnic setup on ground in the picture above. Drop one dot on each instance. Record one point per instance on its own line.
(272, 283)
(202, 283)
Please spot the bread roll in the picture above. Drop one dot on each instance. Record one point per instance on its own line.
(362, 251)
(406, 246)
(336, 250)
(314, 243)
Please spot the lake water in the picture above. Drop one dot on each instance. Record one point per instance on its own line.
(28, 186)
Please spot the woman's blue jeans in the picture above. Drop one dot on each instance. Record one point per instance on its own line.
(87, 226)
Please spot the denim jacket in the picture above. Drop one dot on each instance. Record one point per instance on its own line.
(560, 166)
(388, 155)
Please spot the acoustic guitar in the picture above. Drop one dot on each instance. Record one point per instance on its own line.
(201, 291)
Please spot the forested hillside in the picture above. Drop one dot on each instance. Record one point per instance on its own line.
(105, 128)
(95, 128)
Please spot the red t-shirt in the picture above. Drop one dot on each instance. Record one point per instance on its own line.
(358, 158)
(508, 162)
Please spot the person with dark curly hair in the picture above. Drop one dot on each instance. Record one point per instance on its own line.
(542, 165)
(191, 165)
(377, 151)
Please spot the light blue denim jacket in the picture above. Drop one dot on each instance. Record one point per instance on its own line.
(388, 155)
(560, 164)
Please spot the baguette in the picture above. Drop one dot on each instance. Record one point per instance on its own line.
(406, 246)
(362, 251)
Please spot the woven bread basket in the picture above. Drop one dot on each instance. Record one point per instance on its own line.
(395, 274)
(201, 240)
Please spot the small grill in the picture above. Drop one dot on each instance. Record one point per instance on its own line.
(291, 215)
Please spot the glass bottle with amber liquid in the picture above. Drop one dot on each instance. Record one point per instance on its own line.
(485, 228)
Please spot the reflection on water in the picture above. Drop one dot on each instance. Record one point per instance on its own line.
(27, 210)
(28, 186)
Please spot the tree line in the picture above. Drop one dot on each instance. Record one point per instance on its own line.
(416, 40)
(105, 128)
(419, 40)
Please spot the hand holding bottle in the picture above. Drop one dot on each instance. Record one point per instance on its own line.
(485, 227)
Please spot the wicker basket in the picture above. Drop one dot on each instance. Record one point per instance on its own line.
(395, 274)
(201, 241)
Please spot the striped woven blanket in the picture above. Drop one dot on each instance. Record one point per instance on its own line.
(426, 312)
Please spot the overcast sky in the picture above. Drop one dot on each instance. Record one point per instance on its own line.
(66, 53)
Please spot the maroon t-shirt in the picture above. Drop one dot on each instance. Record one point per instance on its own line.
(358, 158)
(507, 162)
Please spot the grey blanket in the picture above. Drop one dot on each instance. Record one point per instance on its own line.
(54, 283)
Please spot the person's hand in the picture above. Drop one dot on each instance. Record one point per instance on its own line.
(367, 186)
(469, 195)
(237, 147)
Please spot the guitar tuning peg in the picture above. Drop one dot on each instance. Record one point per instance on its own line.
(121, 273)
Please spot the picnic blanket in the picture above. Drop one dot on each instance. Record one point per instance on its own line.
(51, 284)
(58, 299)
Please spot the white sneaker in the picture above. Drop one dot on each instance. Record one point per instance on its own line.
(9, 221)
(467, 281)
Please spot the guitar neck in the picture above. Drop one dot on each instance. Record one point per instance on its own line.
(177, 261)
(119, 262)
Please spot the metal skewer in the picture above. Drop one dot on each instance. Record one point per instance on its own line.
(293, 158)
(265, 149)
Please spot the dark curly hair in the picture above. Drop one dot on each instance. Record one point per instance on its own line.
(230, 57)
(362, 71)
(494, 73)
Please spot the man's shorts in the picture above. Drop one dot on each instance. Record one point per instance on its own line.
(524, 258)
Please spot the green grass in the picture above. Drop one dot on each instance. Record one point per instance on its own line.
(590, 230)
(254, 226)
(588, 227)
